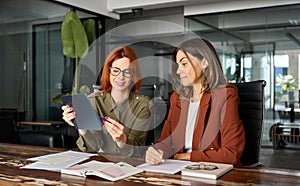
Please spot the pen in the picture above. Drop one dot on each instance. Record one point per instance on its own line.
(102, 118)
(157, 151)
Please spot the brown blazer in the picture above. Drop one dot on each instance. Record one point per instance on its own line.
(219, 134)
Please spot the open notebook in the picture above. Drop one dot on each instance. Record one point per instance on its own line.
(106, 170)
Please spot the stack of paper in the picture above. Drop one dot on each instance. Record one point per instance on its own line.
(58, 161)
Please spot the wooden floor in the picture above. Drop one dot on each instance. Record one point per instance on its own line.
(289, 157)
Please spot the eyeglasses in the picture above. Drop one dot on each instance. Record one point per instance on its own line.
(202, 166)
(115, 71)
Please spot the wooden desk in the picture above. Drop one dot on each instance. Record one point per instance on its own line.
(42, 125)
(288, 132)
(14, 156)
(45, 123)
(287, 112)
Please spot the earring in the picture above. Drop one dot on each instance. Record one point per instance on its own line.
(204, 65)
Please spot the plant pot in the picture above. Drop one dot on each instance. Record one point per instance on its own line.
(291, 96)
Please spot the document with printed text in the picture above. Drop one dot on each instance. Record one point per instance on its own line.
(58, 161)
(170, 166)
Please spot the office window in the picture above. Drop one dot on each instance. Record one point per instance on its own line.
(281, 65)
(265, 42)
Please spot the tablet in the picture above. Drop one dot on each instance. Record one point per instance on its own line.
(86, 117)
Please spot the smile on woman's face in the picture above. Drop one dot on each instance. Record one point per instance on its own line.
(186, 71)
(120, 82)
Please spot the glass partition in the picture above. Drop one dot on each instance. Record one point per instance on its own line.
(259, 44)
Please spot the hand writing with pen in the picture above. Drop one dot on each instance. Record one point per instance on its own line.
(154, 156)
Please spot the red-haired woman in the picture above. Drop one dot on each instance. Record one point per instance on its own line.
(127, 112)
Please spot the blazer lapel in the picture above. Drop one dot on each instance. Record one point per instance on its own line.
(178, 135)
(200, 120)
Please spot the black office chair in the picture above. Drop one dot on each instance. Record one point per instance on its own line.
(9, 133)
(251, 111)
(40, 138)
(148, 90)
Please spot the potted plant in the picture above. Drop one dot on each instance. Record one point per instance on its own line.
(76, 38)
(288, 84)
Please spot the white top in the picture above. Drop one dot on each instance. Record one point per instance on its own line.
(190, 125)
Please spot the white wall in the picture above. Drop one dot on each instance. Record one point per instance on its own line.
(96, 6)
(231, 5)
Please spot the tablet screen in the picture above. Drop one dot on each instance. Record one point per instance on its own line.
(86, 117)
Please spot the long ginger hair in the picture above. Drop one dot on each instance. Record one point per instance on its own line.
(114, 55)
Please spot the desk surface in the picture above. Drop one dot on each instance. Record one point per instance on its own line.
(47, 123)
(14, 156)
(294, 125)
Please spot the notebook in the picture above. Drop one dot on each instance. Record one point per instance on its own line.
(207, 170)
(86, 117)
(106, 170)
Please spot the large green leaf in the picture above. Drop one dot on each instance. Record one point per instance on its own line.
(89, 26)
(83, 90)
(57, 98)
(73, 35)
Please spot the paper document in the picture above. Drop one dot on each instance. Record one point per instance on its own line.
(57, 161)
(170, 166)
